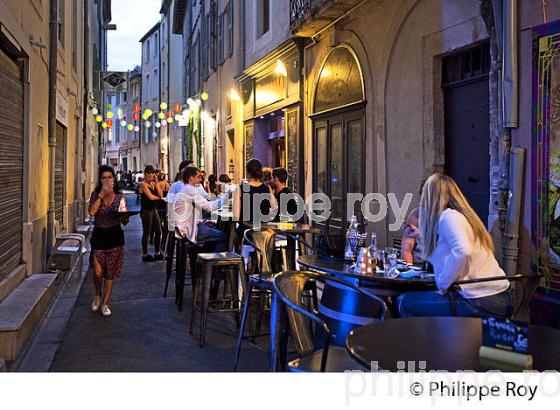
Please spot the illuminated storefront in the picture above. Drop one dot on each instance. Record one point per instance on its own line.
(271, 93)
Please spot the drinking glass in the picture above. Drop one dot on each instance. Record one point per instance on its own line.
(390, 262)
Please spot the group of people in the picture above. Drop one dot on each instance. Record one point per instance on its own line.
(444, 230)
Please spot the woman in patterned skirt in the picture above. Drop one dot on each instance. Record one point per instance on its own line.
(107, 240)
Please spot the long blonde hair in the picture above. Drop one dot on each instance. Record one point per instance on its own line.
(440, 193)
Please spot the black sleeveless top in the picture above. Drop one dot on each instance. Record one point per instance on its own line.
(146, 204)
(247, 193)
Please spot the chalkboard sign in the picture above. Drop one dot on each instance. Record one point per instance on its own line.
(292, 152)
(505, 335)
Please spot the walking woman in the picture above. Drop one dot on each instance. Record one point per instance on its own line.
(455, 241)
(150, 196)
(107, 240)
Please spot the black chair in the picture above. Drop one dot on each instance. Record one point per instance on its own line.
(523, 291)
(185, 249)
(262, 270)
(310, 332)
(206, 265)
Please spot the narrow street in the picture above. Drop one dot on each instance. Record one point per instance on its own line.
(146, 332)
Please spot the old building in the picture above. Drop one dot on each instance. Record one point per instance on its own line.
(48, 145)
(150, 146)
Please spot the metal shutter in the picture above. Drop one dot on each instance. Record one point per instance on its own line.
(59, 173)
(11, 164)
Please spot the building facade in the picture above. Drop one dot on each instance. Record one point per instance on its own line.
(150, 145)
(48, 144)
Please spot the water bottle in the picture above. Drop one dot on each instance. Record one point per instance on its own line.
(351, 236)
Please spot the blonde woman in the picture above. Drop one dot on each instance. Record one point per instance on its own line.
(457, 244)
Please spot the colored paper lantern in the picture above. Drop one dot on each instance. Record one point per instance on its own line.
(178, 117)
(119, 112)
(94, 111)
(158, 124)
(177, 107)
(163, 106)
(148, 112)
(110, 123)
(137, 128)
(104, 125)
(137, 108)
(154, 135)
(170, 113)
(163, 123)
(170, 120)
(108, 107)
(145, 117)
(109, 114)
(123, 123)
(204, 96)
(130, 127)
(99, 118)
(147, 124)
(161, 116)
(135, 116)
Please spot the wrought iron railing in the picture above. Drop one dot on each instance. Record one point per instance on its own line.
(298, 9)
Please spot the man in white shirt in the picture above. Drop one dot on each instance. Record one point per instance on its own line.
(188, 206)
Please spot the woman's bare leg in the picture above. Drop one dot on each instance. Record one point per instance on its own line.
(97, 276)
(107, 289)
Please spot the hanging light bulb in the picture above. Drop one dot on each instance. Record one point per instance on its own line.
(109, 114)
(161, 116)
(157, 124)
(99, 118)
(104, 125)
(94, 111)
(204, 96)
(163, 106)
(123, 123)
(130, 127)
(170, 120)
(137, 128)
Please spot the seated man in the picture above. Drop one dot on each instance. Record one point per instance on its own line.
(282, 192)
(188, 206)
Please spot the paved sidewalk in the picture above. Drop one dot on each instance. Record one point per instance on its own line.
(146, 332)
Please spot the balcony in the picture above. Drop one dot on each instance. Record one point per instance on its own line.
(308, 17)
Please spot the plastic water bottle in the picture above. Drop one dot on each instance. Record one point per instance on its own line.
(351, 238)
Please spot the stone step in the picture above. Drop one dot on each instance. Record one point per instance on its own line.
(11, 281)
(22, 310)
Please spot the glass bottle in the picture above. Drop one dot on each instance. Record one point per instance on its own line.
(351, 239)
(373, 251)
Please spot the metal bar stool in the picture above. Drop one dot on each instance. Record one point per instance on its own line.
(185, 248)
(169, 256)
(234, 265)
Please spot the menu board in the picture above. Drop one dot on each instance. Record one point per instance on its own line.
(505, 335)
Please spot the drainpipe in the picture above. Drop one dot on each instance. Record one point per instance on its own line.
(53, 51)
(86, 105)
(511, 234)
(509, 189)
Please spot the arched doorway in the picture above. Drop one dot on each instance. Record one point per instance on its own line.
(339, 138)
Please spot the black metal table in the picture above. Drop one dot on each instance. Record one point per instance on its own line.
(385, 286)
(443, 343)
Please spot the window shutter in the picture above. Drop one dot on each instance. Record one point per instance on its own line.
(230, 28)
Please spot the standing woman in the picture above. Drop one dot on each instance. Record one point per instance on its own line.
(457, 244)
(150, 196)
(162, 206)
(107, 240)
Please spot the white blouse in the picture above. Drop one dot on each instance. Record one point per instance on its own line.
(457, 256)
